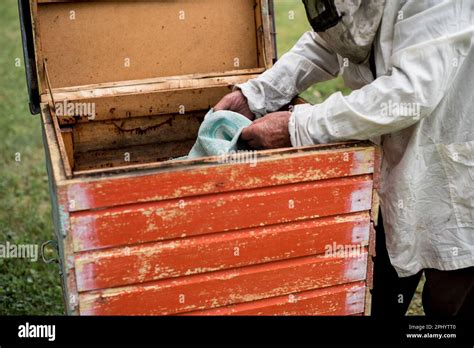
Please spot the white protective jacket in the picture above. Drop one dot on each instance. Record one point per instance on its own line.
(420, 103)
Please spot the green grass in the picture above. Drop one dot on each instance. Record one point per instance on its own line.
(25, 214)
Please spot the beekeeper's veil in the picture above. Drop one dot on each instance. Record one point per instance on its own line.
(348, 26)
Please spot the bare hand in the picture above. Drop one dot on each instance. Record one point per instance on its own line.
(268, 132)
(236, 102)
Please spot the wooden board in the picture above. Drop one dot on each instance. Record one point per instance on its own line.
(148, 97)
(117, 134)
(67, 135)
(151, 103)
(60, 208)
(88, 42)
(347, 299)
(223, 288)
(316, 163)
(208, 253)
(132, 155)
(163, 220)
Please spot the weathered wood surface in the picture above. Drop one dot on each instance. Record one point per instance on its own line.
(347, 299)
(130, 156)
(223, 288)
(208, 253)
(245, 286)
(147, 222)
(280, 169)
(60, 211)
(127, 100)
(127, 106)
(145, 39)
(67, 136)
(191, 82)
(149, 130)
(289, 197)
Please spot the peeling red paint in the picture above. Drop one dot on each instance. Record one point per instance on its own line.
(153, 261)
(164, 242)
(222, 288)
(218, 213)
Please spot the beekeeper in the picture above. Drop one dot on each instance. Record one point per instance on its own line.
(411, 67)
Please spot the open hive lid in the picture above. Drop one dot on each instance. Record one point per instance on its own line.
(84, 45)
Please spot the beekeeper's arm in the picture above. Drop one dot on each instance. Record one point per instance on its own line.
(422, 71)
(308, 62)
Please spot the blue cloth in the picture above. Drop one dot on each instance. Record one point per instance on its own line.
(218, 134)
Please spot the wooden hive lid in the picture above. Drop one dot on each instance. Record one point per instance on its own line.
(89, 43)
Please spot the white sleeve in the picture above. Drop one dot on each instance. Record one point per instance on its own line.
(420, 77)
(308, 62)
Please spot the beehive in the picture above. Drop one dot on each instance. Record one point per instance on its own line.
(139, 234)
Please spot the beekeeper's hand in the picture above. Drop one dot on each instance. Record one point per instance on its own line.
(236, 102)
(268, 132)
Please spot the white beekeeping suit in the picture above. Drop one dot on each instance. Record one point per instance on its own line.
(420, 103)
